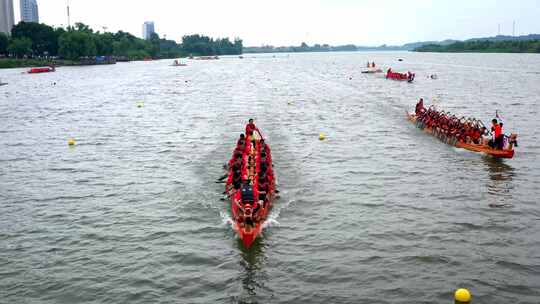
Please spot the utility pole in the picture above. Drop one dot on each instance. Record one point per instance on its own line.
(499, 30)
(514, 28)
(69, 19)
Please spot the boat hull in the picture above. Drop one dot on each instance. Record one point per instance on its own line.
(371, 71)
(247, 223)
(398, 76)
(505, 153)
(40, 70)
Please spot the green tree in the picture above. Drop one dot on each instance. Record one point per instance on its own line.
(238, 46)
(20, 47)
(4, 43)
(43, 37)
(74, 45)
(81, 27)
(204, 46)
(104, 44)
(153, 46)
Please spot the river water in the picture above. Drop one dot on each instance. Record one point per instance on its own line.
(377, 213)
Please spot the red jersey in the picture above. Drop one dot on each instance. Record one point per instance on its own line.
(250, 127)
(498, 130)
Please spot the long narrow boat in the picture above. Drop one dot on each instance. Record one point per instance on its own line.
(400, 76)
(249, 205)
(41, 70)
(480, 148)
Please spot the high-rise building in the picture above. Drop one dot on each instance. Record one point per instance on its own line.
(7, 18)
(148, 29)
(29, 11)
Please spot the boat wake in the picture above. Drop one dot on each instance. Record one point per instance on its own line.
(274, 215)
(226, 220)
(270, 223)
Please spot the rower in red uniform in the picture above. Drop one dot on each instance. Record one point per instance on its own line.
(241, 140)
(420, 107)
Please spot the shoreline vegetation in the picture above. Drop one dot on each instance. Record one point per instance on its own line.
(35, 44)
(484, 46)
(38, 44)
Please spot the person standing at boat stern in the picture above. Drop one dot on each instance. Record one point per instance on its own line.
(497, 142)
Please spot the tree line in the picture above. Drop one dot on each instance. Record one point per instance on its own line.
(34, 40)
(304, 47)
(485, 46)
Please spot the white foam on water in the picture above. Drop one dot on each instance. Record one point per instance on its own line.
(274, 215)
(270, 223)
(226, 219)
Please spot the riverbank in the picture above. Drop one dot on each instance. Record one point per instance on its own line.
(11, 63)
(484, 46)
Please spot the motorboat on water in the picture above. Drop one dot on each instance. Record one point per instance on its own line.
(372, 71)
(179, 63)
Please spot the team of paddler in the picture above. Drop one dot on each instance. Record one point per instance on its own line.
(250, 178)
(465, 130)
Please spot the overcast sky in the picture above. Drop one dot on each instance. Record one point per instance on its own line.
(289, 22)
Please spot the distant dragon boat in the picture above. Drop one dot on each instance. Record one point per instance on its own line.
(507, 152)
(250, 200)
(41, 70)
(409, 77)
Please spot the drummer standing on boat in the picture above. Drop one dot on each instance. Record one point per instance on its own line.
(496, 128)
(250, 127)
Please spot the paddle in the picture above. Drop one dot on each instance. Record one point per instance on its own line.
(262, 137)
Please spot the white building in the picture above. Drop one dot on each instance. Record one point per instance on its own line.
(29, 11)
(7, 18)
(148, 29)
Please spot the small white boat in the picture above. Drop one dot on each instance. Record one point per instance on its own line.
(178, 63)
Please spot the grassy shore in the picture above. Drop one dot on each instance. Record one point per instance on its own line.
(10, 63)
(485, 46)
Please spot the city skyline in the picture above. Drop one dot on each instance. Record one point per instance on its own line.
(7, 16)
(320, 21)
(148, 29)
(29, 10)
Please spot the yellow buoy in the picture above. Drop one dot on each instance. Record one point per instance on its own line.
(462, 295)
(322, 136)
(71, 142)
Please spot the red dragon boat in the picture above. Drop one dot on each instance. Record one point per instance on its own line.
(507, 152)
(41, 70)
(400, 76)
(250, 187)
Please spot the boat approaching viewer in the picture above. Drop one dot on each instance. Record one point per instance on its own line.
(250, 184)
